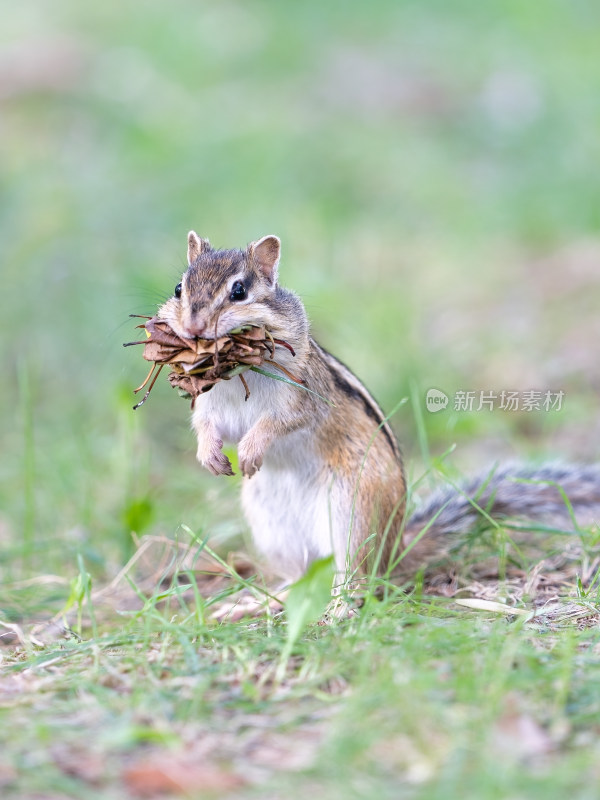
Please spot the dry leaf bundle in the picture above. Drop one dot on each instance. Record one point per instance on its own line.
(197, 364)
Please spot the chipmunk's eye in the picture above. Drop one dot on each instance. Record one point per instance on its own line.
(238, 291)
(178, 290)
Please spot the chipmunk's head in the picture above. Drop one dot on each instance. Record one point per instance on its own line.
(223, 289)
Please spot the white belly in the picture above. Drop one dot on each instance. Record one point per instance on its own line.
(296, 509)
(293, 509)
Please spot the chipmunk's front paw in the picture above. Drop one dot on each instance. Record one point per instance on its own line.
(250, 464)
(250, 459)
(215, 460)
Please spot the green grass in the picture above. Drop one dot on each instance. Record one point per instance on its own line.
(408, 699)
(430, 170)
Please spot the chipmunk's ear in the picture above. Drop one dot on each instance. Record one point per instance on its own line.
(265, 255)
(196, 246)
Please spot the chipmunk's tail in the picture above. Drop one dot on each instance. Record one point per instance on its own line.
(561, 496)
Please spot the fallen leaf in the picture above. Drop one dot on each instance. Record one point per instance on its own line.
(519, 735)
(157, 775)
(492, 605)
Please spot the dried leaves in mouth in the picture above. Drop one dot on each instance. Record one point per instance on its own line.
(197, 364)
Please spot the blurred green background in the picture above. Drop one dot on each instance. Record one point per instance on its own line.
(431, 168)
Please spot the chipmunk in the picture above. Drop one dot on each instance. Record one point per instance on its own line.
(323, 472)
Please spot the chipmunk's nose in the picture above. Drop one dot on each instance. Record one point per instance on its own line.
(196, 321)
(197, 330)
(198, 327)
